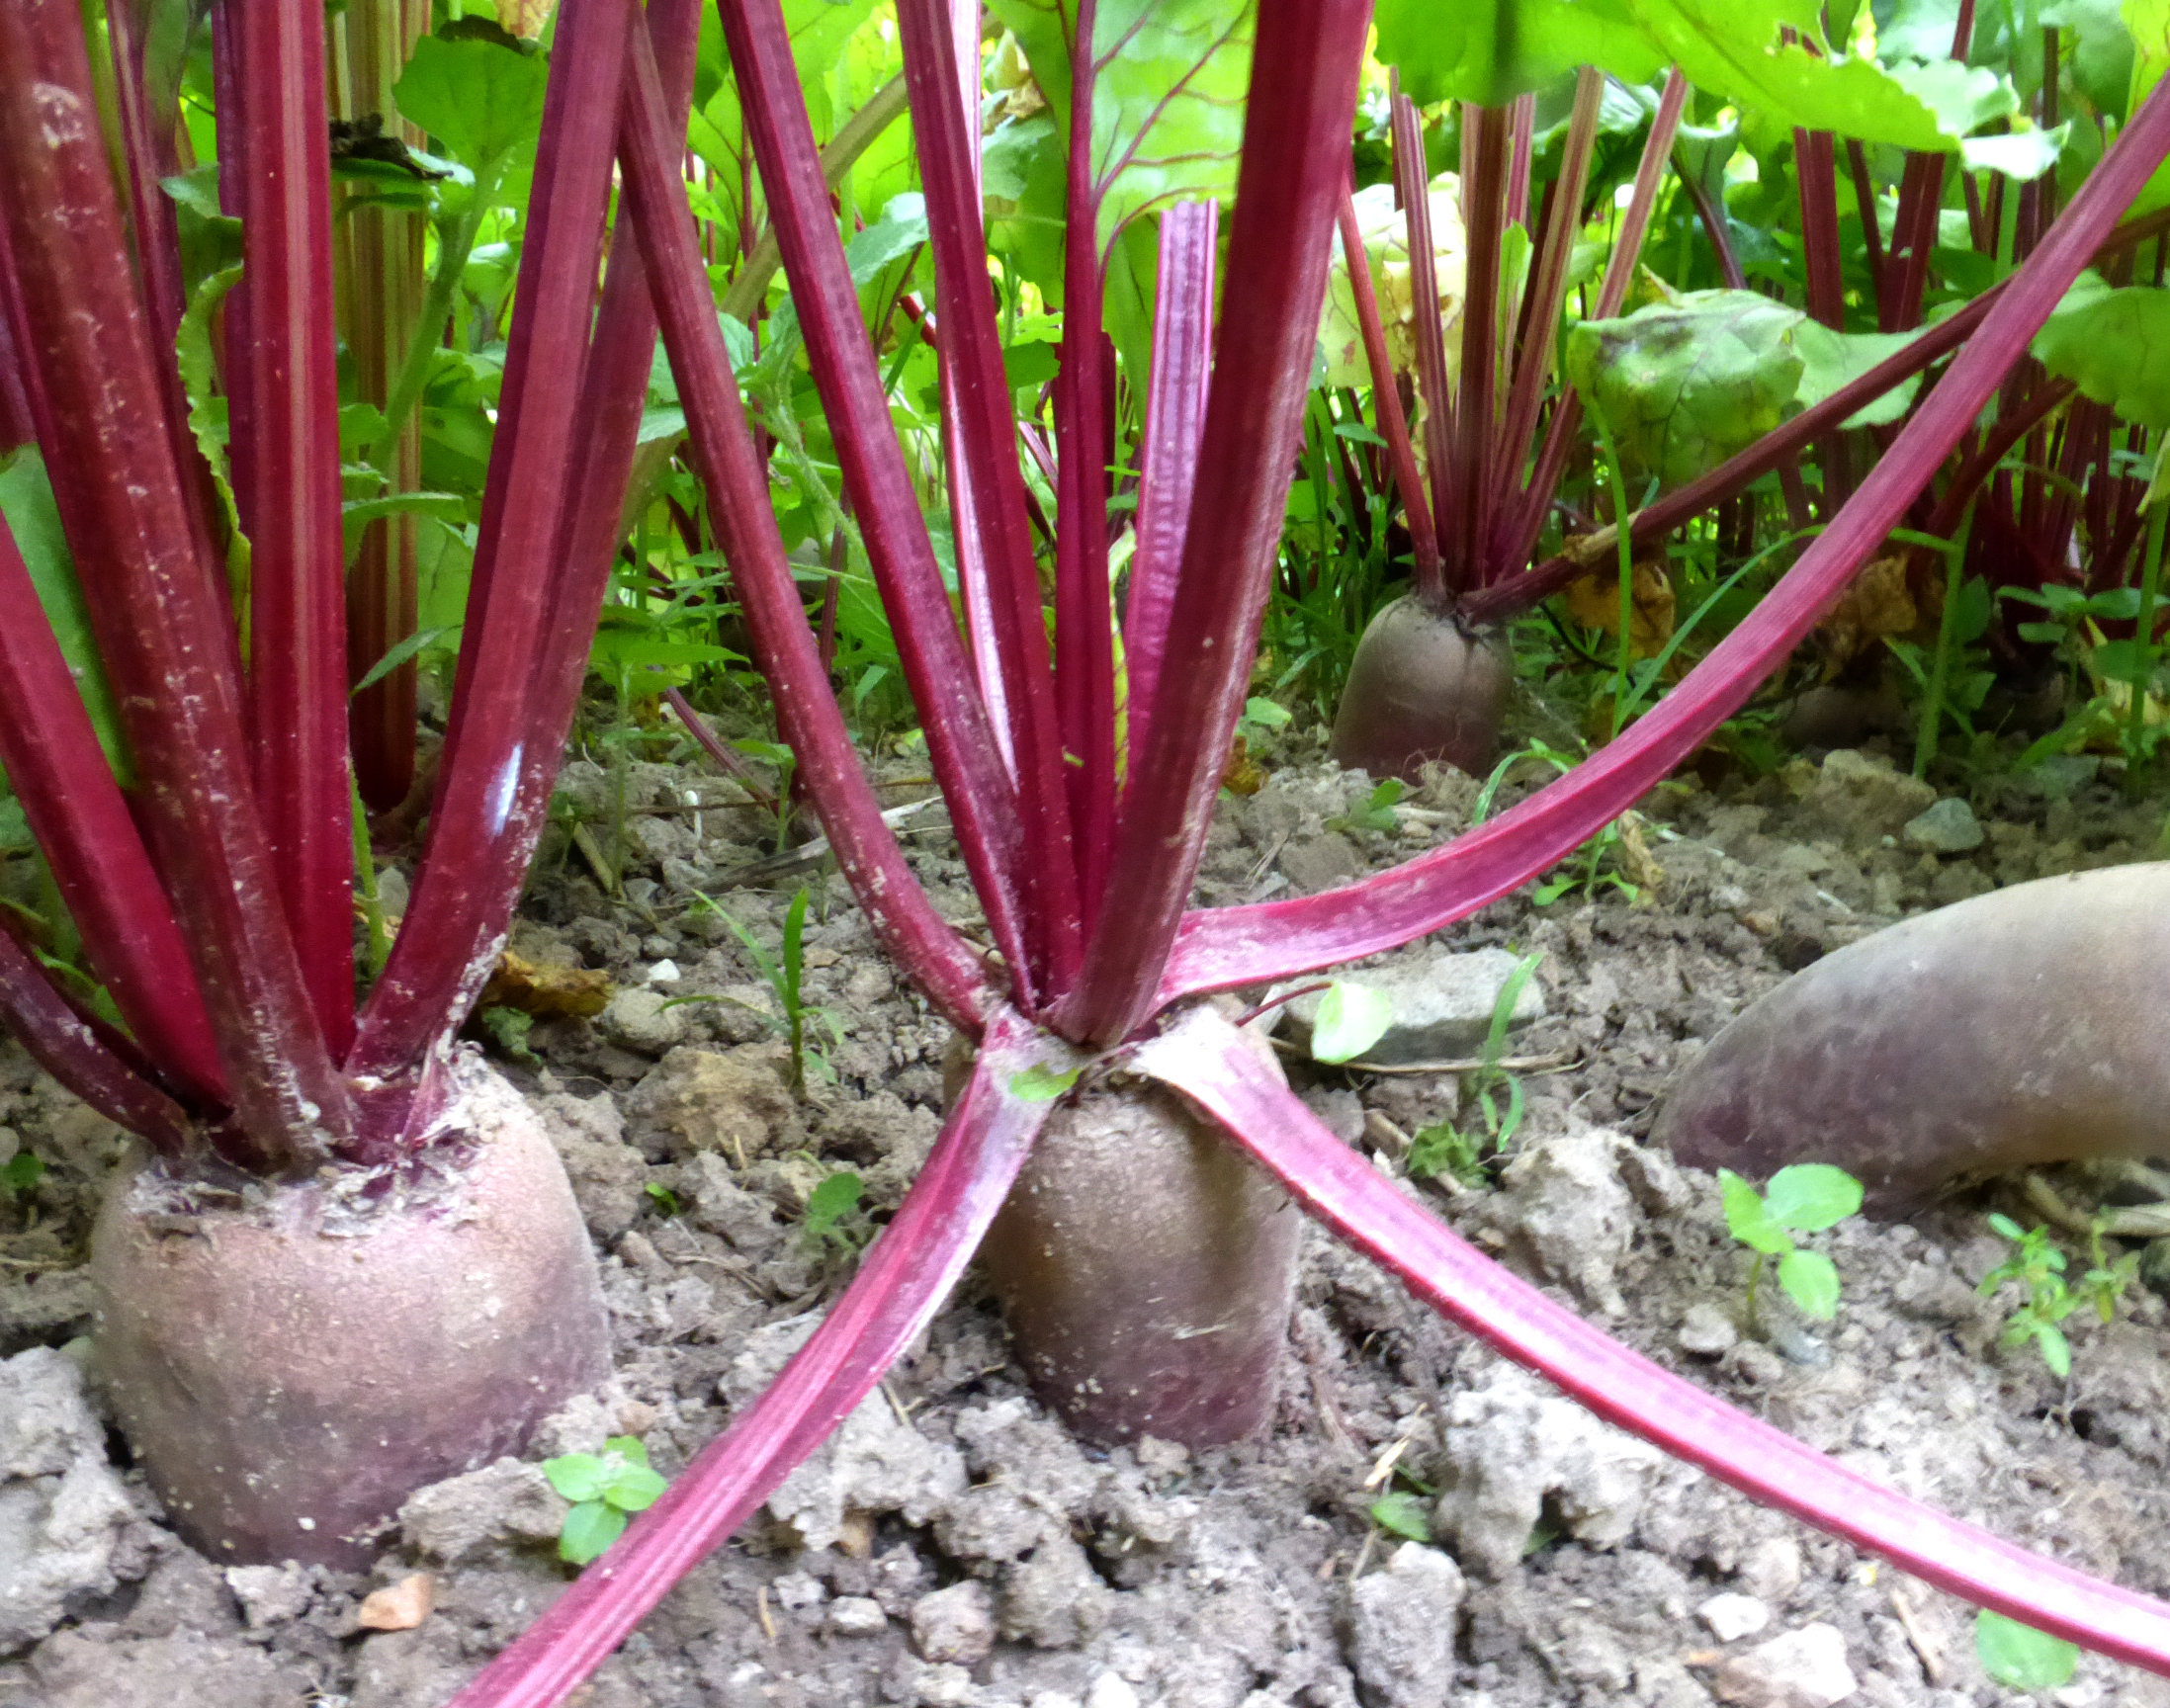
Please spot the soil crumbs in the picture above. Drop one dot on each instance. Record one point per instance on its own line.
(1425, 1524)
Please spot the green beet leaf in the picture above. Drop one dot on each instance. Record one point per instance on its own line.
(482, 100)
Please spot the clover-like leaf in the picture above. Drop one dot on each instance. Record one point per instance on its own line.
(484, 101)
(577, 1476)
(590, 1528)
(1809, 1197)
(1811, 1281)
(1351, 1018)
(1746, 1218)
(2020, 1657)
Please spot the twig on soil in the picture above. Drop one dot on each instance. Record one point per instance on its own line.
(1547, 1064)
(1931, 1656)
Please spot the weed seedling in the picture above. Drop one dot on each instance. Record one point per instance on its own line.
(1376, 813)
(783, 974)
(665, 1200)
(2020, 1657)
(603, 1489)
(2038, 1266)
(832, 1209)
(1446, 1148)
(1806, 1198)
(19, 1173)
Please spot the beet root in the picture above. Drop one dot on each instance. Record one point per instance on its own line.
(291, 1361)
(2017, 1028)
(1147, 1271)
(1421, 687)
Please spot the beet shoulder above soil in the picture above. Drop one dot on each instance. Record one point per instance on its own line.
(953, 1545)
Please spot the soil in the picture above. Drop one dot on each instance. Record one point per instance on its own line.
(954, 1545)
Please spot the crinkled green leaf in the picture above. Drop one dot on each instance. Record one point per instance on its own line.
(2023, 155)
(1809, 1197)
(2115, 346)
(2020, 1657)
(1351, 1018)
(1832, 361)
(2101, 53)
(208, 421)
(1488, 54)
(1168, 97)
(34, 518)
(482, 100)
(1683, 386)
(1735, 46)
(1811, 1281)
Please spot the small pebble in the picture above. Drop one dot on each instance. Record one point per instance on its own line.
(1111, 1690)
(663, 971)
(1803, 1669)
(1706, 1331)
(1947, 828)
(857, 1616)
(400, 1606)
(1731, 1617)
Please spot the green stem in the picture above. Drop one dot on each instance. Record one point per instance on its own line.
(1940, 669)
(2143, 630)
(365, 888)
(455, 243)
(1755, 1274)
(1618, 483)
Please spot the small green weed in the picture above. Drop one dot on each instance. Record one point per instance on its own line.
(1402, 1514)
(1806, 1198)
(2038, 1267)
(666, 1201)
(603, 1489)
(831, 1214)
(1376, 813)
(508, 1029)
(1445, 1147)
(783, 974)
(1352, 1017)
(20, 1173)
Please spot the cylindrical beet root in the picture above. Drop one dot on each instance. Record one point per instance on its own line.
(291, 1361)
(1420, 688)
(1147, 1271)
(2017, 1028)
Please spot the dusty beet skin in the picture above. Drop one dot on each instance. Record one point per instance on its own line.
(1421, 687)
(293, 1360)
(2013, 1029)
(1147, 1271)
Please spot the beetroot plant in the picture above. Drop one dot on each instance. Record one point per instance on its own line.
(1110, 1108)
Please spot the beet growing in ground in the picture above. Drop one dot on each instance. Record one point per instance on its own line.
(954, 1545)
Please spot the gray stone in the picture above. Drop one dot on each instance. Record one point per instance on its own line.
(1861, 799)
(639, 1020)
(69, 1530)
(1515, 1444)
(1401, 1624)
(1568, 1214)
(857, 1616)
(1443, 1002)
(270, 1594)
(1732, 1617)
(467, 1515)
(1706, 1331)
(2063, 775)
(1803, 1669)
(1947, 828)
(954, 1625)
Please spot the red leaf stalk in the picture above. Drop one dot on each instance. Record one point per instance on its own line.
(297, 666)
(1303, 92)
(483, 821)
(1174, 428)
(1423, 292)
(1206, 1061)
(960, 738)
(901, 1284)
(1255, 945)
(736, 479)
(1386, 403)
(972, 359)
(158, 621)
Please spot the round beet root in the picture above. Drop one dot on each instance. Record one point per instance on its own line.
(1421, 688)
(291, 1361)
(2017, 1028)
(1147, 1271)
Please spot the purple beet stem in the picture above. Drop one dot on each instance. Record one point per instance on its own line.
(1207, 1060)
(902, 1282)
